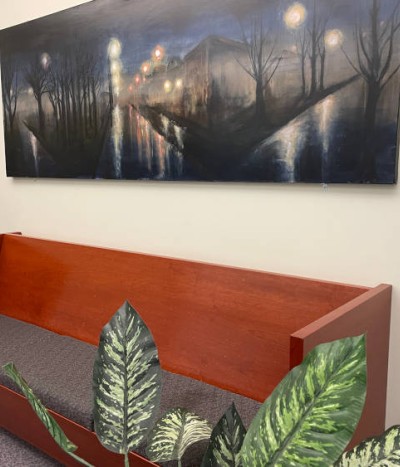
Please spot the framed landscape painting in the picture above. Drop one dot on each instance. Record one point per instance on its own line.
(217, 90)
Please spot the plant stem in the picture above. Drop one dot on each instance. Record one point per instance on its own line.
(179, 462)
(80, 460)
(126, 460)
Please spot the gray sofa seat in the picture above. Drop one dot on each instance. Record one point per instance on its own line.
(59, 370)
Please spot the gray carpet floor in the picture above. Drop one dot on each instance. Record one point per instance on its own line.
(17, 453)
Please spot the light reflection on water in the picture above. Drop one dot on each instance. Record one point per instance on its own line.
(288, 144)
(154, 153)
(165, 124)
(179, 134)
(325, 113)
(117, 139)
(34, 146)
(143, 138)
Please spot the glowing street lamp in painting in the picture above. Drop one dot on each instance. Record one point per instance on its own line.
(334, 38)
(45, 61)
(158, 53)
(295, 16)
(146, 68)
(114, 49)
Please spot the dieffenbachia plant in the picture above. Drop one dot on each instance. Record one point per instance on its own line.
(226, 441)
(381, 451)
(311, 415)
(174, 433)
(126, 382)
(308, 419)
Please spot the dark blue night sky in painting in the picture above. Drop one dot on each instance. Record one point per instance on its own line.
(218, 90)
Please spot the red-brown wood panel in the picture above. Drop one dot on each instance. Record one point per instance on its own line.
(2, 236)
(367, 314)
(228, 326)
(17, 417)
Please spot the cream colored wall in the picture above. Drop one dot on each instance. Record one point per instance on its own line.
(341, 233)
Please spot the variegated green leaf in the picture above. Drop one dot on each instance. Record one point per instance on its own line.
(174, 433)
(126, 382)
(311, 415)
(53, 427)
(380, 451)
(226, 441)
(48, 421)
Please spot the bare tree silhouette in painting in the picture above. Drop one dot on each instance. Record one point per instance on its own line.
(374, 63)
(322, 58)
(311, 49)
(36, 77)
(374, 56)
(90, 82)
(263, 63)
(302, 46)
(57, 82)
(54, 95)
(317, 50)
(73, 84)
(11, 90)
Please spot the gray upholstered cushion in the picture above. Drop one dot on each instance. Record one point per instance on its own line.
(59, 370)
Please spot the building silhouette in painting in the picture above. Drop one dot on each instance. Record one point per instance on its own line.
(211, 84)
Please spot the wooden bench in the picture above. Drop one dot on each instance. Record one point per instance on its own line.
(240, 330)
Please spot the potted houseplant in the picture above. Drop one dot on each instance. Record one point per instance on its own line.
(308, 419)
